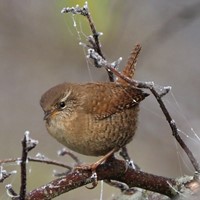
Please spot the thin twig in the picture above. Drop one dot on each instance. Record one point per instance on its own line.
(40, 160)
(23, 167)
(4, 174)
(11, 193)
(72, 155)
(124, 154)
(50, 162)
(94, 41)
(122, 186)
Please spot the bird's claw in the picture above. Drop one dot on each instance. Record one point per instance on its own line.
(91, 167)
(95, 181)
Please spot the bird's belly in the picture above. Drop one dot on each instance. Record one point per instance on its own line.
(96, 137)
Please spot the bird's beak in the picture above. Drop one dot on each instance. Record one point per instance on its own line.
(47, 114)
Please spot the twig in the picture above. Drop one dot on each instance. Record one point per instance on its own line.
(122, 186)
(27, 145)
(41, 160)
(94, 39)
(11, 193)
(72, 155)
(4, 174)
(51, 162)
(124, 154)
(23, 167)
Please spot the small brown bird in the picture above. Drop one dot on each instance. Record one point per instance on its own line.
(93, 118)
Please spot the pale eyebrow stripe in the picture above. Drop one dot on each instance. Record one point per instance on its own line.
(66, 96)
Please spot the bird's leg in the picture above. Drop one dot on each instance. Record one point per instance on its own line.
(94, 166)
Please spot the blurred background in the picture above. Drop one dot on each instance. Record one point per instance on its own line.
(39, 49)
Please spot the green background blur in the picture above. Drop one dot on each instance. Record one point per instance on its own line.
(39, 49)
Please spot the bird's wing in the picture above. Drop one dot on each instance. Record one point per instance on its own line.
(110, 98)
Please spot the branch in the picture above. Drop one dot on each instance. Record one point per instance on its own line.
(27, 145)
(112, 170)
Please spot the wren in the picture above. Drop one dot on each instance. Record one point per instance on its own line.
(92, 118)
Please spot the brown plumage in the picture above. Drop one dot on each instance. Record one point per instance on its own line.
(92, 118)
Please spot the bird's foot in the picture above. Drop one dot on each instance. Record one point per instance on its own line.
(92, 167)
(94, 182)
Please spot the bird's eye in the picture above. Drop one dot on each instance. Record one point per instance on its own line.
(62, 104)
